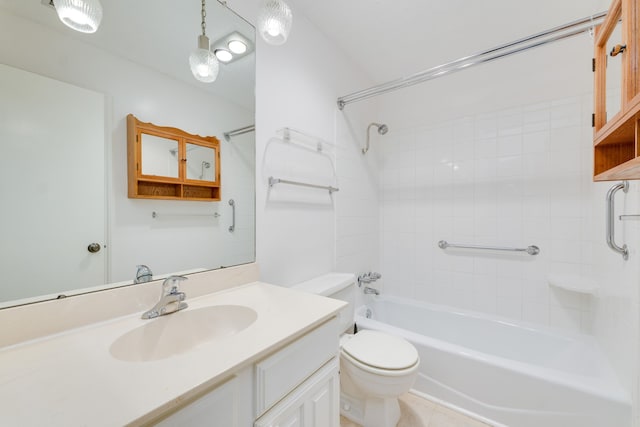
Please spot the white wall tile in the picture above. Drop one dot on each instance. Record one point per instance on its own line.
(535, 313)
(505, 178)
(565, 318)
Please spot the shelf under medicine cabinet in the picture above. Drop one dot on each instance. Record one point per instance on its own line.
(169, 163)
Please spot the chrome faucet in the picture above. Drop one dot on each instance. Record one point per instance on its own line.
(368, 291)
(171, 299)
(143, 274)
(367, 278)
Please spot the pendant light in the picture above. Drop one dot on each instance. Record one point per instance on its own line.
(81, 15)
(274, 21)
(203, 62)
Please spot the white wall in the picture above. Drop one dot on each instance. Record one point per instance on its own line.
(306, 232)
(616, 310)
(165, 245)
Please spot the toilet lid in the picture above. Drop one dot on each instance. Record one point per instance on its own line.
(381, 350)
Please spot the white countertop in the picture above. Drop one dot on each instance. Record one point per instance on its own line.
(71, 378)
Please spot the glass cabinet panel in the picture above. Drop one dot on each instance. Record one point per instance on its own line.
(201, 163)
(613, 73)
(160, 156)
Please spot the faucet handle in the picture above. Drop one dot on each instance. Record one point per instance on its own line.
(143, 274)
(170, 284)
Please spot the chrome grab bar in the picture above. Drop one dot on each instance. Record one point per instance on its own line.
(232, 227)
(531, 250)
(624, 186)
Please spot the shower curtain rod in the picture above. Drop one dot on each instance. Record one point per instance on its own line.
(240, 131)
(554, 34)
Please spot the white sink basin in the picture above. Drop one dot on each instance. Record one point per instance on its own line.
(180, 332)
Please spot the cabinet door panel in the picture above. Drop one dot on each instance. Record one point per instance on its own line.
(283, 371)
(322, 408)
(314, 403)
(292, 418)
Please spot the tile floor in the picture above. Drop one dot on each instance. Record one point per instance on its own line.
(418, 412)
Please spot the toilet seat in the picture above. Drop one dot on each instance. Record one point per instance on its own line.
(377, 352)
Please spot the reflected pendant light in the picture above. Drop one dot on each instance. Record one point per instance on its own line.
(274, 21)
(81, 15)
(204, 64)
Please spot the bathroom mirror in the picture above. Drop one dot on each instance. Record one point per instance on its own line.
(63, 174)
(159, 156)
(613, 73)
(201, 163)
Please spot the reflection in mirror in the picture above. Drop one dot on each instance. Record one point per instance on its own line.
(614, 73)
(201, 163)
(73, 189)
(159, 156)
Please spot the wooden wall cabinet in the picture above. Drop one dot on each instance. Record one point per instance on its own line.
(169, 163)
(617, 139)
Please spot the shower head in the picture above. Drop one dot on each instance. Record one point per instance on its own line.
(382, 129)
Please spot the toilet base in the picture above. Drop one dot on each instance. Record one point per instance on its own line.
(370, 412)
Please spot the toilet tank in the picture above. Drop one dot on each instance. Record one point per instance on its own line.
(341, 286)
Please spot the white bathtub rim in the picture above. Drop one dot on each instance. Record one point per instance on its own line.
(605, 385)
(532, 327)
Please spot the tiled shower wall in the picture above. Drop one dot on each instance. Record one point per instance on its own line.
(513, 177)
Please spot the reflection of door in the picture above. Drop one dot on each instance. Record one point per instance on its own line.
(52, 184)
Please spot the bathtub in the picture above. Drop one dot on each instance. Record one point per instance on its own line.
(504, 373)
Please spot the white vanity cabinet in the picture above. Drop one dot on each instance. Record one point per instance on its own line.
(315, 403)
(228, 405)
(297, 385)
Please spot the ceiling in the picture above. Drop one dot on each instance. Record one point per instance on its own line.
(386, 39)
(390, 39)
(159, 35)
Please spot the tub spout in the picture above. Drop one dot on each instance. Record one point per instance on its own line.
(369, 291)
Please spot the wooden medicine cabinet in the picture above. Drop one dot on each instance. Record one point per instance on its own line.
(169, 163)
(617, 94)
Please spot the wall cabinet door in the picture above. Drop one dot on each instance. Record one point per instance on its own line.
(315, 403)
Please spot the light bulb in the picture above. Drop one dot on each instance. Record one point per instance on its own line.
(81, 15)
(274, 21)
(204, 64)
(237, 46)
(223, 55)
(274, 28)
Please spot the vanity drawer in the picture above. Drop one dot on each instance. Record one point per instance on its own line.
(284, 370)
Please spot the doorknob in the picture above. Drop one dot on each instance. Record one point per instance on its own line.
(94, 247)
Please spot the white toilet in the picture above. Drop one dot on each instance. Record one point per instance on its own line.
(375, 367)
